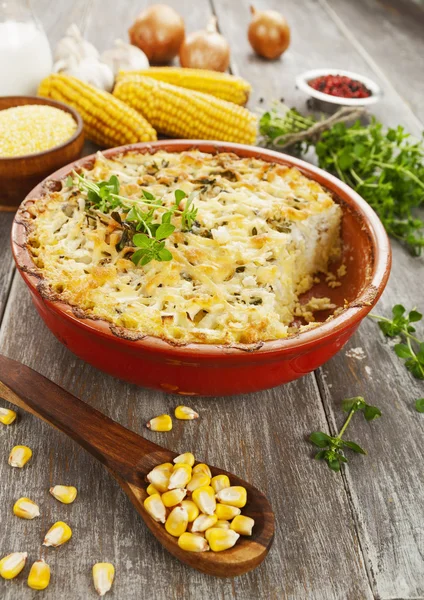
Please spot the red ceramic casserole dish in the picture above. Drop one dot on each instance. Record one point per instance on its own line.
(205, 369)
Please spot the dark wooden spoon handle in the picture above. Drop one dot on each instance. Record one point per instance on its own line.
(124, 452)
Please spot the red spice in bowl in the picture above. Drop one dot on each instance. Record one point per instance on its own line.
(340, 85)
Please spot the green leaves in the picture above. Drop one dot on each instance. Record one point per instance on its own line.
(358, 403)
(419, 405)
(150, 248)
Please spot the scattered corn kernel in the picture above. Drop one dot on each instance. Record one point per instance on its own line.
(7, 416)
(242, 525)
(64, 493)
(156, 508)
(198, 480)
(219, 482)
(152, 490)
(39, 575)
(225, 512)
(234, 496)
(177, 521)
(204, 497)
(185, 413)
(103, 576)
(180, 477)
(12, 564)
(159, 478)
(221, 539)
(24, 508)
(223, 525)
(160, 423)
(204, 522)
(173, 497)
(186, 458)
(19, 456)
(191, 508)
(192, 543)
(202, 468)
(58, 534)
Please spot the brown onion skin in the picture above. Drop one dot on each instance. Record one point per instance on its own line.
(276, 33)
(205, 49)
(156, 22)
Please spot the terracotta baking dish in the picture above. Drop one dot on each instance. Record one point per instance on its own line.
(211, 369)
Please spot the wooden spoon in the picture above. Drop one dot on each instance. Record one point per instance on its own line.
(130, 457)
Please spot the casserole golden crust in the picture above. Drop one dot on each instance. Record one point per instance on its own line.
(261, 233)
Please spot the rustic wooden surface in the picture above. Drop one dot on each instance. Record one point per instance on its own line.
(357, 535)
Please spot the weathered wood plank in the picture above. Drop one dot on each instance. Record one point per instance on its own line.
(6, 262)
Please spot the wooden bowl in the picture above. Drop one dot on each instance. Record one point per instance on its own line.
(18, 175)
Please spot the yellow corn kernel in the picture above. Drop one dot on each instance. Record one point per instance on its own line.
(12, 564)
(185, 413)
(204, 497)
(204, 522)
(235, 495)
(156, 508)
(202, 468)
(58, 534)
(19, 456)
(173, 497)
(242, 525)
(177, 521)
(24, 508)
(103, 576)
(221, 539)
(191, 508)
(219, 482)
(225, 512)
(186, 458)
(151, 490)
(160, 423)
(39, 575)
(165, 467)
(180, 477)
(64, 493)
(159, 478)
(198, 480)
(192, 543)
(7, 416)
(223, 524)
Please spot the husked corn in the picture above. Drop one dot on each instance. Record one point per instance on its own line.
(234, 496)
(151, 490)
(39, 575)
(58, 534)
(222, 524)
(156, 508)
(202, 468)
(160, 423)
(219, 482)
(191, 508)
(64, 493)
(180, 476)
(7, 416)
(204, 522)
(177, 521)
(19, 456)
(159, 478)
(225, 512)
(24, 508)
(242, 525)
(173, 497)
(103, 576)
(198, 480)
(192, 543)
(204, 497)
(186, 458)
(185, 413)
(12, 564)
(221, 539)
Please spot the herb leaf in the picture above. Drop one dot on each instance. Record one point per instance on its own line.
(419, 405)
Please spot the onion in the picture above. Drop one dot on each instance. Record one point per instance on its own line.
(269, 34)
(159, 32)
(206, 49)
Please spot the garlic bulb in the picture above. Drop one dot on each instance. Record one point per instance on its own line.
(75, 46)
(125, 57)
(94, 72)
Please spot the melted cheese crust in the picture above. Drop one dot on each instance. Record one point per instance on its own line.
(261, 232)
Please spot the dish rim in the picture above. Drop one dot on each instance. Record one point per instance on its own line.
(303, 79)
(318, 335)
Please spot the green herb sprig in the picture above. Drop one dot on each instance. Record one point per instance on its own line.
(411, 349)
(332, 448)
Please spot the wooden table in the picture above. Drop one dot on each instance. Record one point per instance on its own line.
(356, 535)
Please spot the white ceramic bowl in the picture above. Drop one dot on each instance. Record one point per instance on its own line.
(302, 84)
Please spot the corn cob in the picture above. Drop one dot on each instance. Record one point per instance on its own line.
(107, 121)
(103, 576)
(182, 113)
(221, 85)
(39, 575)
